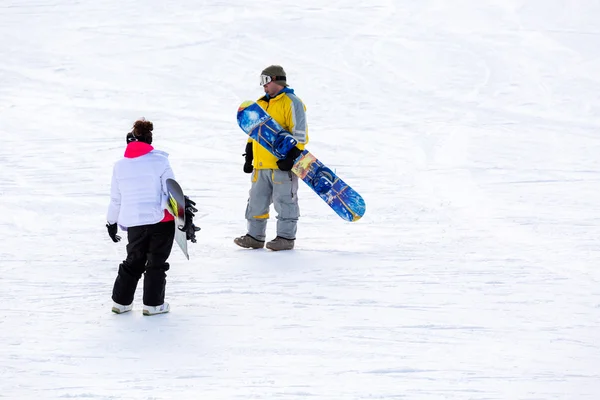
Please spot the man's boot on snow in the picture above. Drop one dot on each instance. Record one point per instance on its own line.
(280, 243)
(248, 242)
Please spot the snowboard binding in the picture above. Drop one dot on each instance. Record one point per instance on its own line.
(323, 180)
(283, 144)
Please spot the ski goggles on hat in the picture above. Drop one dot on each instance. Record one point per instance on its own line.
(264, 79)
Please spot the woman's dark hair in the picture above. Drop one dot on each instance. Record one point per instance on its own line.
(142, 130)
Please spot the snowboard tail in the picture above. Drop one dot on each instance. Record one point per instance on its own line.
(260, 126)
(344, 200)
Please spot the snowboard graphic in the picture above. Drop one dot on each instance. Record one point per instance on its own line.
(177, 208)
(259, 125)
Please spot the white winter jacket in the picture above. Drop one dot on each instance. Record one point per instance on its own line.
(138, 189)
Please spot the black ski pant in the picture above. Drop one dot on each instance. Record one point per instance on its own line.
(148, 249)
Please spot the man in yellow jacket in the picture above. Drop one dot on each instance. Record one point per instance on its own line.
(272, 179)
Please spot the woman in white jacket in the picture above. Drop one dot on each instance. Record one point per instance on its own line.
(138, 205)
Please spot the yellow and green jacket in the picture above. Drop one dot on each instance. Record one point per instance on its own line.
(289, 112)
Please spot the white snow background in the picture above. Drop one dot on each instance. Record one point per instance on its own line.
(470, 127)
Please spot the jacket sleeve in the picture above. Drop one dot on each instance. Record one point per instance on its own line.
(167, 174)
(297, 118)
(114, 206)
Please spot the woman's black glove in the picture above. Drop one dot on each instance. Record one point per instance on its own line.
(112, 232)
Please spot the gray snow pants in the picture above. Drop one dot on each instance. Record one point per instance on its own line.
(281, 189)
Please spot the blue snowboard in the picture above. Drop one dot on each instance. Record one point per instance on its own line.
(259, 125)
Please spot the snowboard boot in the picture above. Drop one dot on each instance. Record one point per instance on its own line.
(280, 243)
(150, 310)
(248, 242)
(120, 309)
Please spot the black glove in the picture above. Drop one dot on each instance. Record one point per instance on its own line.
(286, 164)
(249, 157)
(112, 232)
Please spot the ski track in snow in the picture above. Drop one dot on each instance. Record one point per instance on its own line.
(470, 129)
